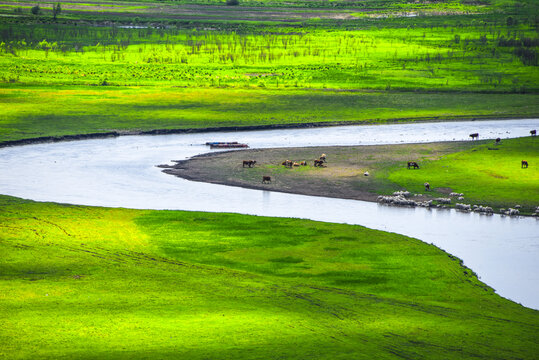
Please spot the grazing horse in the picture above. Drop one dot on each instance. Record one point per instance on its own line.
(533, 132)
(427, 186)
(413, 164)
(266, 179)
(474, 136)
(524, 164)
(249, 163)
(318, 163)
(287, 163)
(498, 141)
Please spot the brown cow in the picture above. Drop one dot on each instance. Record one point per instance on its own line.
(287, 163)
(323, 157)
(413, 164)
(533, 132)
(524, 164)
(266, 179)
(249, 163)
(303, 163)
(319, 163)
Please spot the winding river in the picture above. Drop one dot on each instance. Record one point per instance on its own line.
(121, 172)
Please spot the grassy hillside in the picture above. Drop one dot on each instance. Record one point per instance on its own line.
(123, 283)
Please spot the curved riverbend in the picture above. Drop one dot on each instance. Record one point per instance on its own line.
(121, 172)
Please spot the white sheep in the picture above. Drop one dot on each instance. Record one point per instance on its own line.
(402, 193)
(443, 200)
(463, 207)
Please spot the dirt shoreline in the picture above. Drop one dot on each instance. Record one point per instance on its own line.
(182, 170)
(341, 178)
(117, 133)
(358, 172)
(363, 197)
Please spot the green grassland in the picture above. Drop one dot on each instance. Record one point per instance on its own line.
(56, 111)
(486, 174)
(64, 76)
(118, 283)
(481, 56)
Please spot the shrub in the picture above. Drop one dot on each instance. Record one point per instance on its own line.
(36, 10)
(56, 9)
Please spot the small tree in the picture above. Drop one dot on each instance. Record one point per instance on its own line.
(36, 10)
(509, 21)
(56, 9)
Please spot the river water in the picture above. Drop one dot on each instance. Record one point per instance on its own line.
(121, 172)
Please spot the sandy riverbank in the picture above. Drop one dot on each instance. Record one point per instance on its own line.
(341, 177)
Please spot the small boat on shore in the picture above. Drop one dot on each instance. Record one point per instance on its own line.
(225, 145)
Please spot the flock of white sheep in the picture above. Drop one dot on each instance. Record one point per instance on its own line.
(402, 198)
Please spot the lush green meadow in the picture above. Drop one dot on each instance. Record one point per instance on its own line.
(486, 174)
(112, 283)
(165, 69)
(55, 111)
(479, 55)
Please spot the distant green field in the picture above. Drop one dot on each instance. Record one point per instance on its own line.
(143, 65)
(114, 283)
(29, 112)
(482, 56)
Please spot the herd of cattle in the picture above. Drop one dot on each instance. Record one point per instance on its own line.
(400, 198)
(288, 164)
(523, 164)
(476, 135)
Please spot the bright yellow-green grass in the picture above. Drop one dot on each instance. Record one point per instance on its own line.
(477, 57)
(87, 282)
(29, 112)
(487, 174)
(69, 76)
